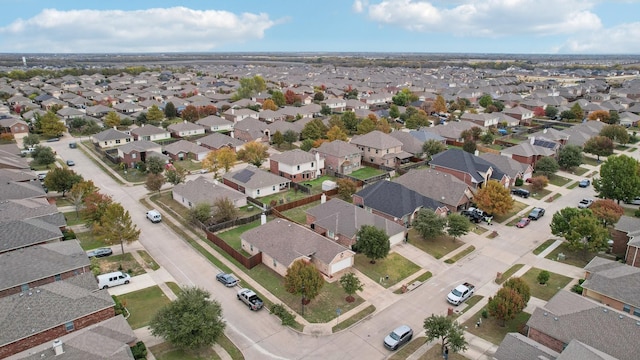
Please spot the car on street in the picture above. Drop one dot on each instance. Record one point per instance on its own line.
(53, 139)
(584, 183)
(227, 279)
(635, 201)
(73, 145)
(585, 203)
(42, 176)
(523, 222)
(536, 213)
(398, 337)
(70, 163)
(100, 252)
(523, 193)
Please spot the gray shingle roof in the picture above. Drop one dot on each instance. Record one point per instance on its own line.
(21, 233)
(577, 350)
(47, 306)
(435, 185)
(395, 199)
(217, 140)
(148, 130)
(346, 219)
(287, 241)
(254, 178)
(410, 143)
(19, 209)
(569, 316)
(202, 190)
(465, 162)
(186, 147)
(293, 157)
(21, 190)
(139, 146)
(377, 140)
(627, 224)
(615, 280)
(40, 261)
(506, 164)
(110, 134)
(338, 148)
(184, 126)
(517, 346)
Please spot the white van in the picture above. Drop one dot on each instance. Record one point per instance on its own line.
(154, 216)
(112, 279)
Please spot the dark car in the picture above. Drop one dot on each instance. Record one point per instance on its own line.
(227, 279)
(398, 337)
(536, 213)
(100, 252)
(73, 145)
(523, 222)
(473, 216)
(70, 163)
(584, 183)
(520, 192)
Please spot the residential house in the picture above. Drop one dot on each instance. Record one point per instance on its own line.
(423, 136)
(214, 124)
(98, 110)
(255, 182)
(203, 190)
(550, 134)
(282, 242)
(513, 169)
(469, 168)
(237, 115)
(28, 221)
(626, 239)
(579, 134)
(613, 284)
(251, 130)
(55, 261)
(21, 190)
(438, 185)
(128, 107)
(527, 152)
(216, 141)
(451, 131)
(381, 149)
(568, 316)
(524, 115)
(339, 157)
(396, 202)
(69, 305)
(138, 151)
(183, 149)
(628, 119)
(340, 221)
(481, 119)
(185, 129)
(410, 143)
(111, 138)
(270, 116)
(336, 104)
(518, 346)
(14, 126)
(297, 165)
(67, 113)
(150, 133)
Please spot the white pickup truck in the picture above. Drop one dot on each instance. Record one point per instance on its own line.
(461, 293)
(251, 299)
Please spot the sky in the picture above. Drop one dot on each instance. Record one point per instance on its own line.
(415, 26)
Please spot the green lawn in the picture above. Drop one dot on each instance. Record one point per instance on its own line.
(143, 305)
(299, 214)
(174, 287)
(542, 247)
(232, 237)
(517, 207)
(354, 318)
(436, 247)
(573, 185)
(89, 241)
(394, 266)
(366, 172)
(490, 328)
(580, 170)
(73, 219)
(148, 260)
(166, 351)
(283, 197)
(540, 194)
(591, 161)
(507, 274)
(558, 180)
(460, 255)
(120, 262)
(189, 165)
(165, 198)
(545, 292)
(576, 258)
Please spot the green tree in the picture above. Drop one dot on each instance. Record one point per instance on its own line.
(116, 226)
(224, 210)
(154, 114)
(335, 133)
(447, 330)
(193, 321)
(505, 305)
(520, 286)
(307, 144)
(587, 233)
(494, 198)
(112, 119)
(43, 155)
(547, 166)
(31, 140)
(551, 111)
(155, 165)
(373, 243)
(226, 158)
(314, 129)
(254, 153)
(277, 138)
(458, 225)
(249, 87)
(51, 125)
(290, 137)
(543, 277)
(577, 111)
(200, 213)
(432, 147)
(570, 156)
(469, 146)
(619, 179)
(429, 224)
(567, 115)
(404, 97)
(154, 182)
(170, 111)
(560, 223)
(487, 138)
(365, 126)
(303, 278)
(176, 175)
(394, 112)
(278, 98)
(350, 121)
(346, 188)
(440, 105)
(61, 180)
(78, 193)
(350, 283)
(417, 120)
(617, 133)
(599, 146)
(485, 100)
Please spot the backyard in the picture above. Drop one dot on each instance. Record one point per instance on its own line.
(366, 172)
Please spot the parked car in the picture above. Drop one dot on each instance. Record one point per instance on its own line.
(523, 222)
(398, 337)
(70, 163)
(585, 203)
(584, 183)
(635, 201)
(73, 145)
(227, 279)
(53, 139)
(42, 176)
(100, 252)
(536, 213)
(520, 192)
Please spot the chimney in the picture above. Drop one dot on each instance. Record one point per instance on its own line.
(532, 140)
(57, 347)
(263, 219)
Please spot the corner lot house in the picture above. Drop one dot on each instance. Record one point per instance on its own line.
(282, 242)
(150, 133)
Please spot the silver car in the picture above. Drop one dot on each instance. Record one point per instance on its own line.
(398, 337)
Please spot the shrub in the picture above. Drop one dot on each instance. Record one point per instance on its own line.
(637, 213)
(139, 350)
(68, 234)
(285, 316)
(519, 182)
(543, 277)
(484, 313)
(119, 308)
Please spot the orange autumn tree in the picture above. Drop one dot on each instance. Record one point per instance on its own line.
(494, 198)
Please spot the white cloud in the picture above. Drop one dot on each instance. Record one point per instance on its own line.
(621, 39)
(359, 5)
(488, 18)
(152, 30)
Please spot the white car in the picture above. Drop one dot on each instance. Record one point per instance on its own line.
(585, 203)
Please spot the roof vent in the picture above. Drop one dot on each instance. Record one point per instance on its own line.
(620, 316)
(605, 310)
(546, 314)
(555, 318)
(57, 347)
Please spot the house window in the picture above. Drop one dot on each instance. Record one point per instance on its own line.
(258, 192)
(311, 164)
(118, 141)
(106, 143)
(69, 326)
(298, 167)
(636, 312)
(387, 151)
(626, 308)
(24, 287)
(370, 159)
(273, 188)
(330, 234)
(134, 155)
(275, 263)
(58, 277)
(251, 247)
(376, 151)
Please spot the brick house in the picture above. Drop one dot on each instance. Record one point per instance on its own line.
(339, 157)
(14, 126)
(444, 187)
(216, 141)
(613, 284)
(297, 165)
(111, 138)
(138, 151)
(381, 149)
(469, 168)
(203, 190)
(255, 182)
(527, 152)
(626, 239)
(183, 149)
(150, 133)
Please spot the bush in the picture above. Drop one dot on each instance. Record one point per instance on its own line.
(68, 234)
(637, 213)
(543, 277)
(286, 317)
(519, 182)
(139, 350)
(484, 313)
(119, 308)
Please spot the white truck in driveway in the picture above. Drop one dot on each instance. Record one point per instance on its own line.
(461, 293)
(251, 299)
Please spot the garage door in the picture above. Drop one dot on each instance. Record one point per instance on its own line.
(341, 265)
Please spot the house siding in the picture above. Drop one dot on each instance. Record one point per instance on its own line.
(546, 340)
(633, 256)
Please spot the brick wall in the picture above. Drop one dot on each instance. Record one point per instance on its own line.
(43, 281)
(620, 240)
(546, 340)
(54, 333)
(633, 256)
